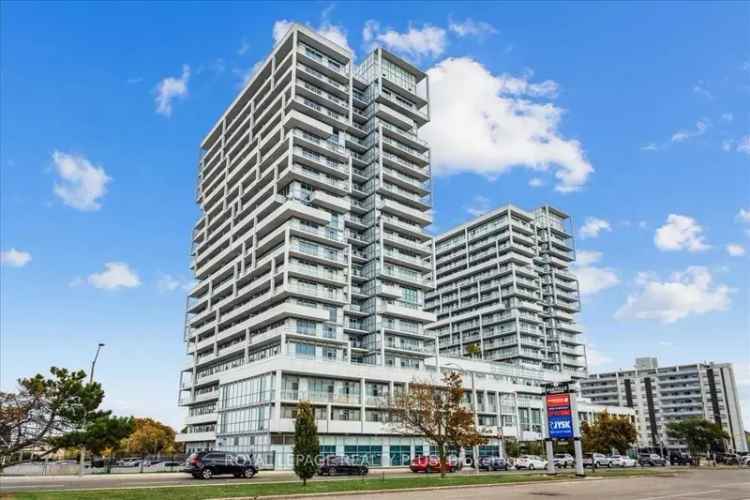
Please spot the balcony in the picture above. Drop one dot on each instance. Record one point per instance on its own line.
(408, 311)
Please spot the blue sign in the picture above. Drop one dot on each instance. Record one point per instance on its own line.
(559, 416)
(560, 426)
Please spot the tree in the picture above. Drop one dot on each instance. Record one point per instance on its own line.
(608, 432)
(151, 437)
(45, 408)
(698, 434)
(306, 443)
(437, 413)
(102, 432)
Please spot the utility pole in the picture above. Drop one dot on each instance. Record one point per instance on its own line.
(91, 381)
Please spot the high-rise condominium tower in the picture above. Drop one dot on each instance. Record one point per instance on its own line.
(504, 291)
(314, 189)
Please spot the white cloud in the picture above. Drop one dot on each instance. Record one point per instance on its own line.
(592, 279)
(700, 89)
(593, 226)
(587, 257)
(15, 258)
(743, 216)
(81, 183)
(536, 182)
(680, 232)
(280, 28)
(682, 135)
(335, 33)
(168, 283)
(743, 145)
(470, 27)
(651, 146)
(171, 88)
(728, 117)
(115, 275)
(244, 47)
(486, 124)
(735, 250)
(727, 145)
(479, 205)
(595, 358)
(686, 293)
(415, 43)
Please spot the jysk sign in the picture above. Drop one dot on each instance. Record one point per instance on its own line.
(559, 416)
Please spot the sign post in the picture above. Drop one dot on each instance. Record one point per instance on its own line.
(562, 423)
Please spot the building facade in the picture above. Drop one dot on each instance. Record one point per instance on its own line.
(312, 265)
(660, 395)
(503, 288)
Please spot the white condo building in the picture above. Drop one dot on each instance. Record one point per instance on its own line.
(312, 265)
(660, 395)
(503, 286)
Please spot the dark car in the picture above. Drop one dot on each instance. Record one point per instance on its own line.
(651, 460)
(493, 463)
(680, 458)
(207, 464)
(341, 465)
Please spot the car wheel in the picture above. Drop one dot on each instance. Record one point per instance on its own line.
(531, 467)
(249, 473)
(609, 465)
(207, 474)
(196, 476)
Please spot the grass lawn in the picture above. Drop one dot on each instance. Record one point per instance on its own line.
(202, 491)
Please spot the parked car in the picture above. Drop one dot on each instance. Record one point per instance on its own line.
(341, 465)
(728, 458)
(596, 460)
(493, 463)
(564, 460)
(622, 461)
(651, 460)
(423, 463)
(207, 464)
(530, 462)
(746, 460)
(680, 458)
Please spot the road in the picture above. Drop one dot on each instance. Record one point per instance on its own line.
(727, 484)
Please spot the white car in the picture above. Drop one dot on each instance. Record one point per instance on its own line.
(622, 461)
(530, 462)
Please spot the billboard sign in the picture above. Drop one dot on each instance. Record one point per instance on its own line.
(559, 416)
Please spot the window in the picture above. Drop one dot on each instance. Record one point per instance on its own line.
(304, 350)
(400, 454)
(409, 295)
(305, 327)
(329, 353)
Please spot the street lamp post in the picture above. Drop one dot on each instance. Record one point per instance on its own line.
(91, 381)
(475, 449)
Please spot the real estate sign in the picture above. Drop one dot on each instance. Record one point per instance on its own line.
(559, 416)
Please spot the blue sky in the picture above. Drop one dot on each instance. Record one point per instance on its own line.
(632, 117)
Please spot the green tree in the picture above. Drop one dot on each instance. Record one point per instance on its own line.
(437, 412)
(306, 443)
(608, 432)
(102, 432)
(151, 437)
(49, 411)
(698, 434)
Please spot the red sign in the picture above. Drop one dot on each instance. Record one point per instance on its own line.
(558, 404)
